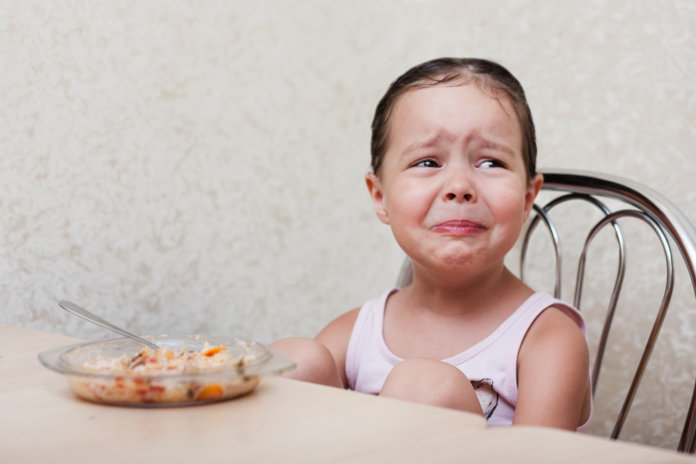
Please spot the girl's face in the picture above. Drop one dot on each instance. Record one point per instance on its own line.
(452, 185)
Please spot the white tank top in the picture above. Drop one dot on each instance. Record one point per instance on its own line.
(490, 365)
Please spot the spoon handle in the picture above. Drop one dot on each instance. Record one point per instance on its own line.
(84, 314)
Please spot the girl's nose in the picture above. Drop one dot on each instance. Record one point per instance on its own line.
(453, 196)
(460, 188)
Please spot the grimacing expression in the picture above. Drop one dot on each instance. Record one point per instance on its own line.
(453, 183)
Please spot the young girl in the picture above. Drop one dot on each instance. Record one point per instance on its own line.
(453, 159)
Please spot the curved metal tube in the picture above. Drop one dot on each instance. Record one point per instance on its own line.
(662, 211)
(555, 239)
(543, 214)
(659, 319)
(659, 208)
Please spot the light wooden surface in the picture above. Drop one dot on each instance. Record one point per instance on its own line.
(282, 421)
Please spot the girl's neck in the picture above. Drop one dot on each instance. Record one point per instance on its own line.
(497, 287)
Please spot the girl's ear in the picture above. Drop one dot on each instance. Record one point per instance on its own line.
(374, 186)
(532, 192)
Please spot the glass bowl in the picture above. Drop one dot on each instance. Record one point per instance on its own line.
(94, 373)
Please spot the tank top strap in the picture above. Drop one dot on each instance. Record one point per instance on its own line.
(365, 340)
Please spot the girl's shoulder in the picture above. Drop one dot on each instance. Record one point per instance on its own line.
(558, 327)
(336, 334)
(553, 324)
(341, 325)
(554, 339)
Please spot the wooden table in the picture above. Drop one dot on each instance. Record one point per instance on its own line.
(281, 421)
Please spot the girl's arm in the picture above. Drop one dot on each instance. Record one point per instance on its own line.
(335, 337)
(553, 374)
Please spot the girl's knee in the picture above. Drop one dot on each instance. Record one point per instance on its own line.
(314, 361)
(431, 382)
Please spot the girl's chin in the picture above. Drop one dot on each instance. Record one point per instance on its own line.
(452, 264)
(457, 263)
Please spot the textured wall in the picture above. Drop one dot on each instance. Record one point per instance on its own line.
(184, 166)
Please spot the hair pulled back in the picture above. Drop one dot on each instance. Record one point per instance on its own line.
(487, 75)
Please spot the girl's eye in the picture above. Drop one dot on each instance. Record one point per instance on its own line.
(426, 163)
(492, 163)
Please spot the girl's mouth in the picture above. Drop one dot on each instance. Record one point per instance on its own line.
(459, 227)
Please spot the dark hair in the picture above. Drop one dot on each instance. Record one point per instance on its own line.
(487, 75)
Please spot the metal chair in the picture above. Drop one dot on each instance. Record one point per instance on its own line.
(614, 200)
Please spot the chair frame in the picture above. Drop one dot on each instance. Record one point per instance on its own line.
(642, 203)
(664, 218)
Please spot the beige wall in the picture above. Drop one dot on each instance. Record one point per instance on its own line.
(184, 166)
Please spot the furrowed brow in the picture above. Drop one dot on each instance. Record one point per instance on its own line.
(484, 142)
(427, 143)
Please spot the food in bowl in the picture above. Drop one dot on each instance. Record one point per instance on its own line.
(185, 370)
(132, 385)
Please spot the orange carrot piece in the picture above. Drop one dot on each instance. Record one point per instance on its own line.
(210, 392)
(213, 351)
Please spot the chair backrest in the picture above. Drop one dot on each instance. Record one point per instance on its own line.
(607, 204)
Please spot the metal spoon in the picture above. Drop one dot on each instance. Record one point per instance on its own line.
(84, 314)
